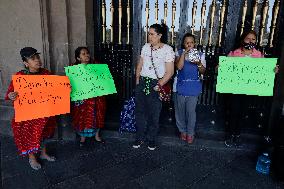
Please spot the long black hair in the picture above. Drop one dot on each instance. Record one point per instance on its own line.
(185, 36)
(161, 29)
(77, 54)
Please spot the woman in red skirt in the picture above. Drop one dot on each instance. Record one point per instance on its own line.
(29, 135)
(87, 115)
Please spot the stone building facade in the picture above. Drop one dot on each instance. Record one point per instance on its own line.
(57, 27)
(53, 27)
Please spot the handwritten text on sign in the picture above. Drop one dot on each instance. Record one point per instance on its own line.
(90, 80)
(245, 75)
(41, 96)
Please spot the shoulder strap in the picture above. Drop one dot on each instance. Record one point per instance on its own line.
(152, 60)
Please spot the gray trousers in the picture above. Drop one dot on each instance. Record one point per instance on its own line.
(185, 113)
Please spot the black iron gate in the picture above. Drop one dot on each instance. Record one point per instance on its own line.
(120, 44)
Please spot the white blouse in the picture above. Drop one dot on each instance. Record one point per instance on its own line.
(161, 56)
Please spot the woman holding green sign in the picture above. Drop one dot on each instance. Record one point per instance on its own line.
(87, 115)
(236, 101)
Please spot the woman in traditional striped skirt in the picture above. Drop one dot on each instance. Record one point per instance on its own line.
(29, 135)
(87, 115)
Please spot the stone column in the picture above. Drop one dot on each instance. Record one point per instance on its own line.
(70, 26)
(77, 25)
(58, 35)
(22, 24)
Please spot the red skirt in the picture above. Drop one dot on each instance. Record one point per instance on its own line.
(88, 114)
(29, 135)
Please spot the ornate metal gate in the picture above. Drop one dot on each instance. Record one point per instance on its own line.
(123, 25)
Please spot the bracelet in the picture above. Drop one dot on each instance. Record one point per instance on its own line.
(199, 66)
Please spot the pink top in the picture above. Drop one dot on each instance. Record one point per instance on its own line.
(238, 52)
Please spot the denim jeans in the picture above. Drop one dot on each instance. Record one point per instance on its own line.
(147, 111)
(185, 113)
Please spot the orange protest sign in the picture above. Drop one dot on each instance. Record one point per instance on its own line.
(41, 96)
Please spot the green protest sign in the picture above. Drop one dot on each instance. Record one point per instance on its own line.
(246, 75)
(90, 80)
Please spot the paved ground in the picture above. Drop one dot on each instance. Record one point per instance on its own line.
(174, 164)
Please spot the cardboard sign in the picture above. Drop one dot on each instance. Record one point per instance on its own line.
(41, 96)
(90, 80)
(246, 75)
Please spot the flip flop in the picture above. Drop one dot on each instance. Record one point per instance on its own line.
(48, 158)
(34, 164)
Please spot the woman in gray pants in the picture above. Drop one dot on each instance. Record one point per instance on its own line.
(189, 63)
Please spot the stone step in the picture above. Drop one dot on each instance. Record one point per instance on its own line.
(250, 142)
(209, 125)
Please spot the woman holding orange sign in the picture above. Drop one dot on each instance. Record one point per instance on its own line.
(29, 135)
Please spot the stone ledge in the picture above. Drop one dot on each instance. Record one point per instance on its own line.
(68, 134)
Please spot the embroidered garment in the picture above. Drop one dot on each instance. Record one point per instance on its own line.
(88, 115)
(28, 135)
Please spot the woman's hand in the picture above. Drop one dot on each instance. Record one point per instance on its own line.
(156, 88)
(197, 62)
(184, 53)
(276, 69)
(216, 68)
(13, 95)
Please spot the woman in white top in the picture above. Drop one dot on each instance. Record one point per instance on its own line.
(155, 55)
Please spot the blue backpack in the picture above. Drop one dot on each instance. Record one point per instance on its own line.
(127, 116)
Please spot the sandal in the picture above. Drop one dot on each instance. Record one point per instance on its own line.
(101, 141)
(183, 136)
(34, 164)
(48, 158)
(190, 139)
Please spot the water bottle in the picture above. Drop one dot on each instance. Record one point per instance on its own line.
(263, 164)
